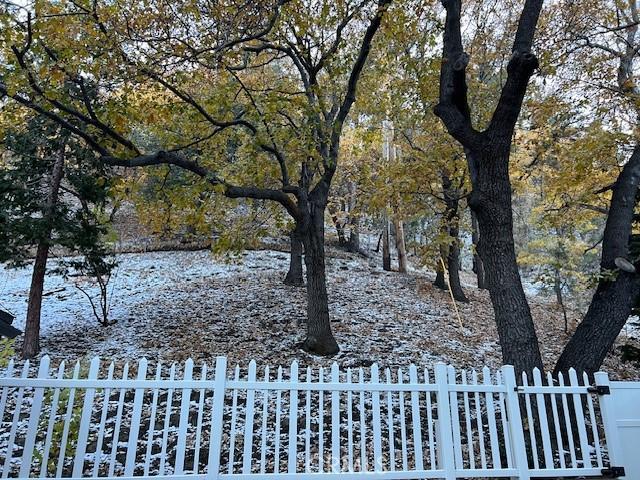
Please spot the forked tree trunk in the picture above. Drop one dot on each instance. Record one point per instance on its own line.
(400, 245)
(320, 339)
(31, 345)
(478, 266)
(386, 251)
(294, 275)
(491, 201)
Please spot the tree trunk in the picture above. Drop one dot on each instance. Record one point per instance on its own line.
(615, 297)
(453, 265)
(294, 275)
(452, 229)
(31, 345)
(491, 201)
(439, 282)
(319, 339)
(557, 288)
(386, 252)
(478, 266)
(400, 246)
(354, 235)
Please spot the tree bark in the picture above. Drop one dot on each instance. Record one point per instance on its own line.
(491, 201)
(386, 252)
(294, 275)
(31, 344)
(400, 245)
(319, 339)
(615, 297)
(478, 266)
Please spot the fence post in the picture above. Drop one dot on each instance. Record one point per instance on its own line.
(445, 446)
(215, 440)
(607, 410)
(516, 433)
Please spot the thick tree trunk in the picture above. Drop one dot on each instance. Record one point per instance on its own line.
(478, 266)
(491, 201)
(386, 251)
(614, 298)
(400, 245)
(294, 275)
(31, 345)
(319, 339)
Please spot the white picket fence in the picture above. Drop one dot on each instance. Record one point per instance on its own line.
(192, 422)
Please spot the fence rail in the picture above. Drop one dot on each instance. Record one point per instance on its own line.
(195, 422)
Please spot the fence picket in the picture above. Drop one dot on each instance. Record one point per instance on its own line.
(232, 432)
(542, 419)
(430, 426)
(594, 426)
(217, 415)
(116, 428)
(5, 390)
(349, 423)
(248, 422)
(293, 420)
(491, 419)
(335, 420)
(6, 466)
(530, 424)
(103, 419)
(556, 423)
(403, 426)
(567, 424)
(579, 413)
(415, 418)
(136, 415)
(183, 422)
(390, 424)
(321, 422)
(375, 421)
(467, 418)
(48, 439)
(307, 426)
(167, 419)
(479, 421)
(198, 441)
(277, 426)
(263, 428)
(363, 426)
(152, 420)
(34, 419)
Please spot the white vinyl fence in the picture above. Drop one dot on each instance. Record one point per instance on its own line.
(198, 422)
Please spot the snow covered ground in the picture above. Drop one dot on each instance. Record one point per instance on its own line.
(176, 305)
